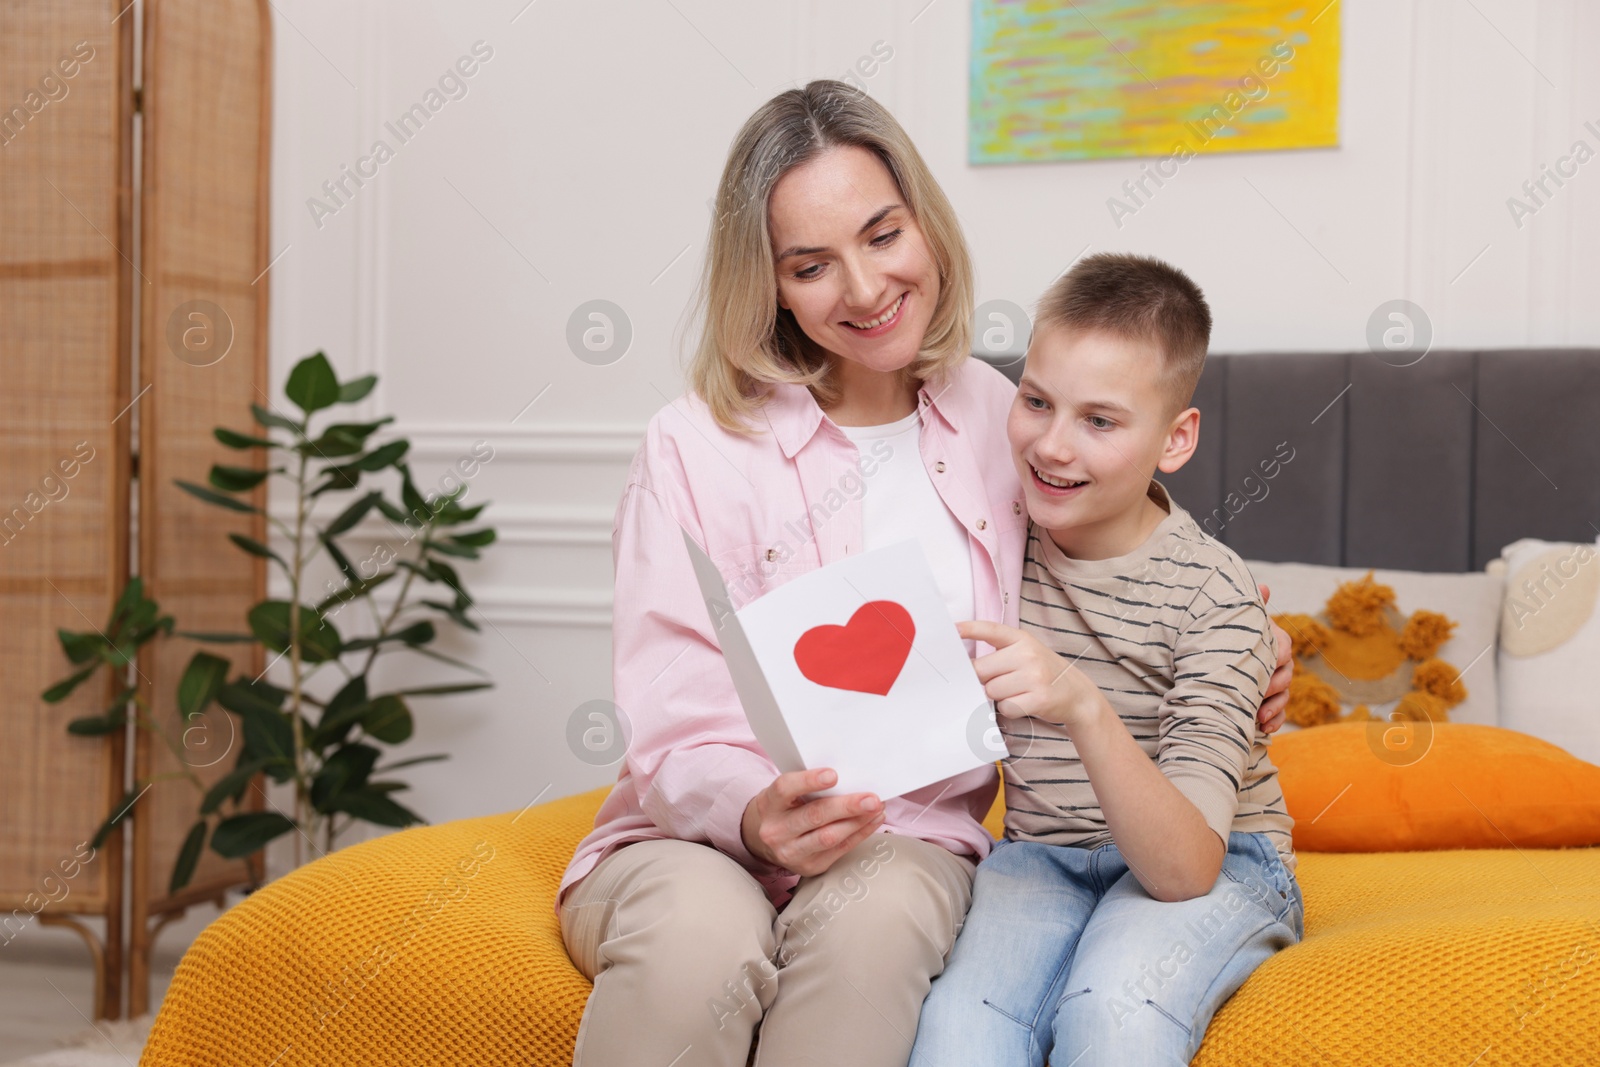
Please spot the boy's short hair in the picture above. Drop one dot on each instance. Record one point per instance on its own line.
(1139, 298)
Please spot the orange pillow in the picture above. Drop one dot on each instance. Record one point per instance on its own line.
(1398, 787)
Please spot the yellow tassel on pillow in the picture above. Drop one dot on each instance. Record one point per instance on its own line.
(1312, 701)
(1424, 634)
(1357, 607)
(1437, 677)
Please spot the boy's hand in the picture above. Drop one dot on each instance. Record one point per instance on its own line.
(1275, 701)
(1023, 677)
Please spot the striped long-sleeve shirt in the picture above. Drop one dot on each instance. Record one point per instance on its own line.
(1176, 637)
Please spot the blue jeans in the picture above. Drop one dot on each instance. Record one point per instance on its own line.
(1065, 956)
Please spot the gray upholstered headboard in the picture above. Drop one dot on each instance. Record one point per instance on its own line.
(1430, 467)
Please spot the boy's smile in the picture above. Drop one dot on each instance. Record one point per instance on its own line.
(1091, 423)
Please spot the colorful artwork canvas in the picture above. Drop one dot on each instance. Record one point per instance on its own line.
(1095, 79)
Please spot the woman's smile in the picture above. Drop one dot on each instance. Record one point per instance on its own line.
(883, 322)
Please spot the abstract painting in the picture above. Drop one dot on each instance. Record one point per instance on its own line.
(1095, 79)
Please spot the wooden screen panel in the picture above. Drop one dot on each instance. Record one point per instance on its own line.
(203, 353)
(64, 322)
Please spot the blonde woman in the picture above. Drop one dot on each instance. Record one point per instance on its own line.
(834, 407)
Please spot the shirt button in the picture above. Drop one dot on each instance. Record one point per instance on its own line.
(1016, 507)
(772, 555)
(983, 524)
(924, 399)
(939, 466)
(1005, 598)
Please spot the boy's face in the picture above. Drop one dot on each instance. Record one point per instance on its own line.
(1091, 423)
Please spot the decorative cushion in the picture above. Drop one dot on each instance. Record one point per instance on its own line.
(1393, 787)
(1550, 643)
(1472, 601)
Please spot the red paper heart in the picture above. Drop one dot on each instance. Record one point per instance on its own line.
(864, 655)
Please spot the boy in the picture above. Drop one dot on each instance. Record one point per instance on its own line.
(1146, 865)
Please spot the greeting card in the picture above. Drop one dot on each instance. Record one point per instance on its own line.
(855, 666)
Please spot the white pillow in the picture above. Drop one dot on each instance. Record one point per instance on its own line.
(1472, 600)
(1550, 643)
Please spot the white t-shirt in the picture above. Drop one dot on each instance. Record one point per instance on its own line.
(900, 503)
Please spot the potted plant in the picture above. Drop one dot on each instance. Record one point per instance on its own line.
(328, 748)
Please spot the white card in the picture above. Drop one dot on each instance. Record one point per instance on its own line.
(856, 666)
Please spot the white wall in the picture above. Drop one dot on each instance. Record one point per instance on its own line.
(579, 166)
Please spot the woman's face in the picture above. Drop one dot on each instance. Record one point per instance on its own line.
(852, 265)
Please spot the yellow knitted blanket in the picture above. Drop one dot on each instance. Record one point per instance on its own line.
(439, 945)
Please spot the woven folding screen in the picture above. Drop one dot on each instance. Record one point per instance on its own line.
(88, 413)
(65, 320)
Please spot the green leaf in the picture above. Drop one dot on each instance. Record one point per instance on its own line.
(444, 690)
(339, 478)
(62, 689)
(348, 768)
(238, 836)
(360, 429)
(343, 438)
(340, 560)
(388, 719)
(212, 637)
(80, 647)
(236, 479)
(239, 440)
(352, 514)
(342, 712)
(201, 681)
(333, 443)
(132, 593)
(118, 813)
(269, 621)
(98, 725)
(373, 805)
(353, 590)
(392, 513)
(143, 634)
(444, 572)
(418, 633)
(212, 497)
(256, 548)
(456, 611)
(412, 762)
(352, 391)
(382, 457)
(312, 384)
(245, 698)
(231, 785)
(188, 856)
(453, 514)
(460, 551)
(268, 733)
(139, 619)
(476, 538)
(272, 418)
(409, 497)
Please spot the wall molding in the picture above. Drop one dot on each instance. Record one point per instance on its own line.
(571, 442)
(517, 524)
(536, 606)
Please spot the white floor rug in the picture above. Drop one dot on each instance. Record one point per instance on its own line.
(110, 1043)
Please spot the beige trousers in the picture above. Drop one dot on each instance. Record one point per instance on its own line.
(687, 956)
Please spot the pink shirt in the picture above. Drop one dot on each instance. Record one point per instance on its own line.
(767, 509)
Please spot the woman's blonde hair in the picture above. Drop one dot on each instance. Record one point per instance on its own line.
(747, 341)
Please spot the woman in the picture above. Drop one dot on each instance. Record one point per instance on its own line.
(832, 394)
